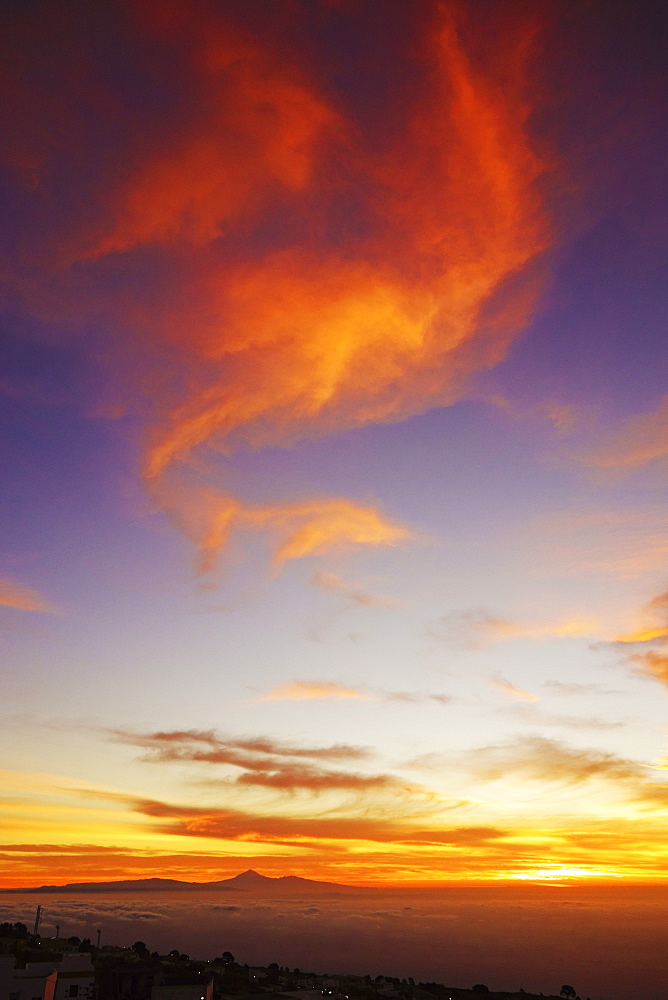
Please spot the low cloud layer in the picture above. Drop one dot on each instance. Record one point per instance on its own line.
(504, 937)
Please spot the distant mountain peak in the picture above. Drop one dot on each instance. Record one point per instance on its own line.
(251, 876)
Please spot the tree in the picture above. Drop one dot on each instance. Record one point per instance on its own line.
(568, 992)
(272, 972)
(17, 930)
(227, 957)
(139, 948)
(480, 988)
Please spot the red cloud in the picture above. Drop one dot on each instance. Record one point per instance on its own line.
(266, 268)
(262, 761)
(233, 825)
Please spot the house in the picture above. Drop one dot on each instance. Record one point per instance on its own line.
(76, 977)
(36, 982)
(188, 991)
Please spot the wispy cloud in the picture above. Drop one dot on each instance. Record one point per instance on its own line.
(653, 664)
(551, 772)
(314, 528)
(15, 595)
(655, 623)
(475, 628)
(546, 760)
(328, 691)
(207, 745)
(626, 543)
(643, 439)
(647, 645)
(319, 690)
(545, 768)
(530, 714)
(563, 416)
(226, 824)
(61, 849)
(289, 777)
(262, 762)
(505, 687)
(573, 688)
(354, 593)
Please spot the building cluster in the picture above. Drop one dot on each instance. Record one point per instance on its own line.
(35, 968)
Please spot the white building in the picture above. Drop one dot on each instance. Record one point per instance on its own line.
(76, 977)
(73, 978)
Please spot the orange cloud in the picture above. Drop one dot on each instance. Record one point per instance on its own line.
(228, 824)
(317, 527)
(14, 595)
(207, 745)
(652, 660)
(653, 664)
(314, 341)
(306, 690)
(263, 762)
(312, 528)
(655, 615)
(327, 690)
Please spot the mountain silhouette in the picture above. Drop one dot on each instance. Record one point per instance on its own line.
(247, 881)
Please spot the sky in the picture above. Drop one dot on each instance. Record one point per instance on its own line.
(334, 441)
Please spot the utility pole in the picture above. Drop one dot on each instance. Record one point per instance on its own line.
(99, 932)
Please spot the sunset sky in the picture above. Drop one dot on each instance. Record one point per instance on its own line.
(334, 535)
